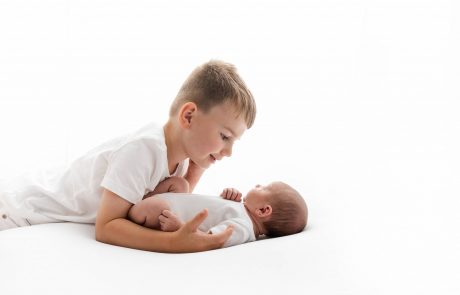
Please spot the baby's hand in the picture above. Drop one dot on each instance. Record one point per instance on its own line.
(231, 194)
(169, 221)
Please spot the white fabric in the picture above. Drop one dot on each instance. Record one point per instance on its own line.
(7, 221)
(221, 213)
(130, 166)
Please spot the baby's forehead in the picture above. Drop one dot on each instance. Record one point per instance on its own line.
(282, 190)
(278, 185)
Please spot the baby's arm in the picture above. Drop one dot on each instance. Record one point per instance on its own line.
(231, 194)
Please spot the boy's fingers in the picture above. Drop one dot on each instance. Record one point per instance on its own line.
(194, 223)
(222, 237)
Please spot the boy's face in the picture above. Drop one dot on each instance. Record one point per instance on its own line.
(210, 136)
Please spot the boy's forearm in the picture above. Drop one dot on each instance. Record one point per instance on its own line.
(193, 178)
(122, 232)
(193, 182)
(193, 175)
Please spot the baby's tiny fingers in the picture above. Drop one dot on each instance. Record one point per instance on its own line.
(224, 193)
(238, 197)
(235, 194)
(229, 194)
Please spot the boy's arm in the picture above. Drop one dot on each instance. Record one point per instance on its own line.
(193, 175)
(112, 227)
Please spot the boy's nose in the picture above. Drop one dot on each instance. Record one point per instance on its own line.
(227, 151)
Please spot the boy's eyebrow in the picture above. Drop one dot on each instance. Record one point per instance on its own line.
(231, 131)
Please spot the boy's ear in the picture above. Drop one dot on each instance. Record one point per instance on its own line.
(186, 113)
(265, 211)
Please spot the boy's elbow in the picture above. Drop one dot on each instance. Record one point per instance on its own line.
(101, 233)
(99, 236)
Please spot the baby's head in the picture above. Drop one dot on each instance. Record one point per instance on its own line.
(278, 208)
(213, 84)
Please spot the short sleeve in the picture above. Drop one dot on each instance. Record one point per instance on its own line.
(241, 233)
(133, 170)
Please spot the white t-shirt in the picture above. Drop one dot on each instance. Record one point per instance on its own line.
(130, 166)
(221, 213)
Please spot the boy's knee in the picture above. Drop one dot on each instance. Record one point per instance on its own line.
(179, 185)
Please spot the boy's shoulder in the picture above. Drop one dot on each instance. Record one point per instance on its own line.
(150, 136)
(150, 131)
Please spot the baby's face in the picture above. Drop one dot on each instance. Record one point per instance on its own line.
(258, 196)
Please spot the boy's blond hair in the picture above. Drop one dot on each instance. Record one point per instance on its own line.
(289, 212)
(214, 83)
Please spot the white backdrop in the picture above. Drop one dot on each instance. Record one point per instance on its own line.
(358, 107)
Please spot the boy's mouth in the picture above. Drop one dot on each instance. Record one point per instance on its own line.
(213, 159)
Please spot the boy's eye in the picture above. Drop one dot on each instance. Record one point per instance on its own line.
(224, 137)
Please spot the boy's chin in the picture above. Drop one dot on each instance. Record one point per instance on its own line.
(205, 163)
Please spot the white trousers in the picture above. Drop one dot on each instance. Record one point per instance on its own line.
(7, 221)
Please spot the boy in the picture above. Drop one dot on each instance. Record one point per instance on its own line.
(273, 210)
(212, 109)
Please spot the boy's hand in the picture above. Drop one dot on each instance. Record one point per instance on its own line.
(189, 239)
(231, 194)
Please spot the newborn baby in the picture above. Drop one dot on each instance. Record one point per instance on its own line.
(272, 210)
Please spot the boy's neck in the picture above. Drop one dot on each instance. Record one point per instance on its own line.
(175, 152)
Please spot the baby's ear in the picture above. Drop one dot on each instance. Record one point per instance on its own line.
(265, 211)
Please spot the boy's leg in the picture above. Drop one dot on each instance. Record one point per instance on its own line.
(173, 184)
(8, 221)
